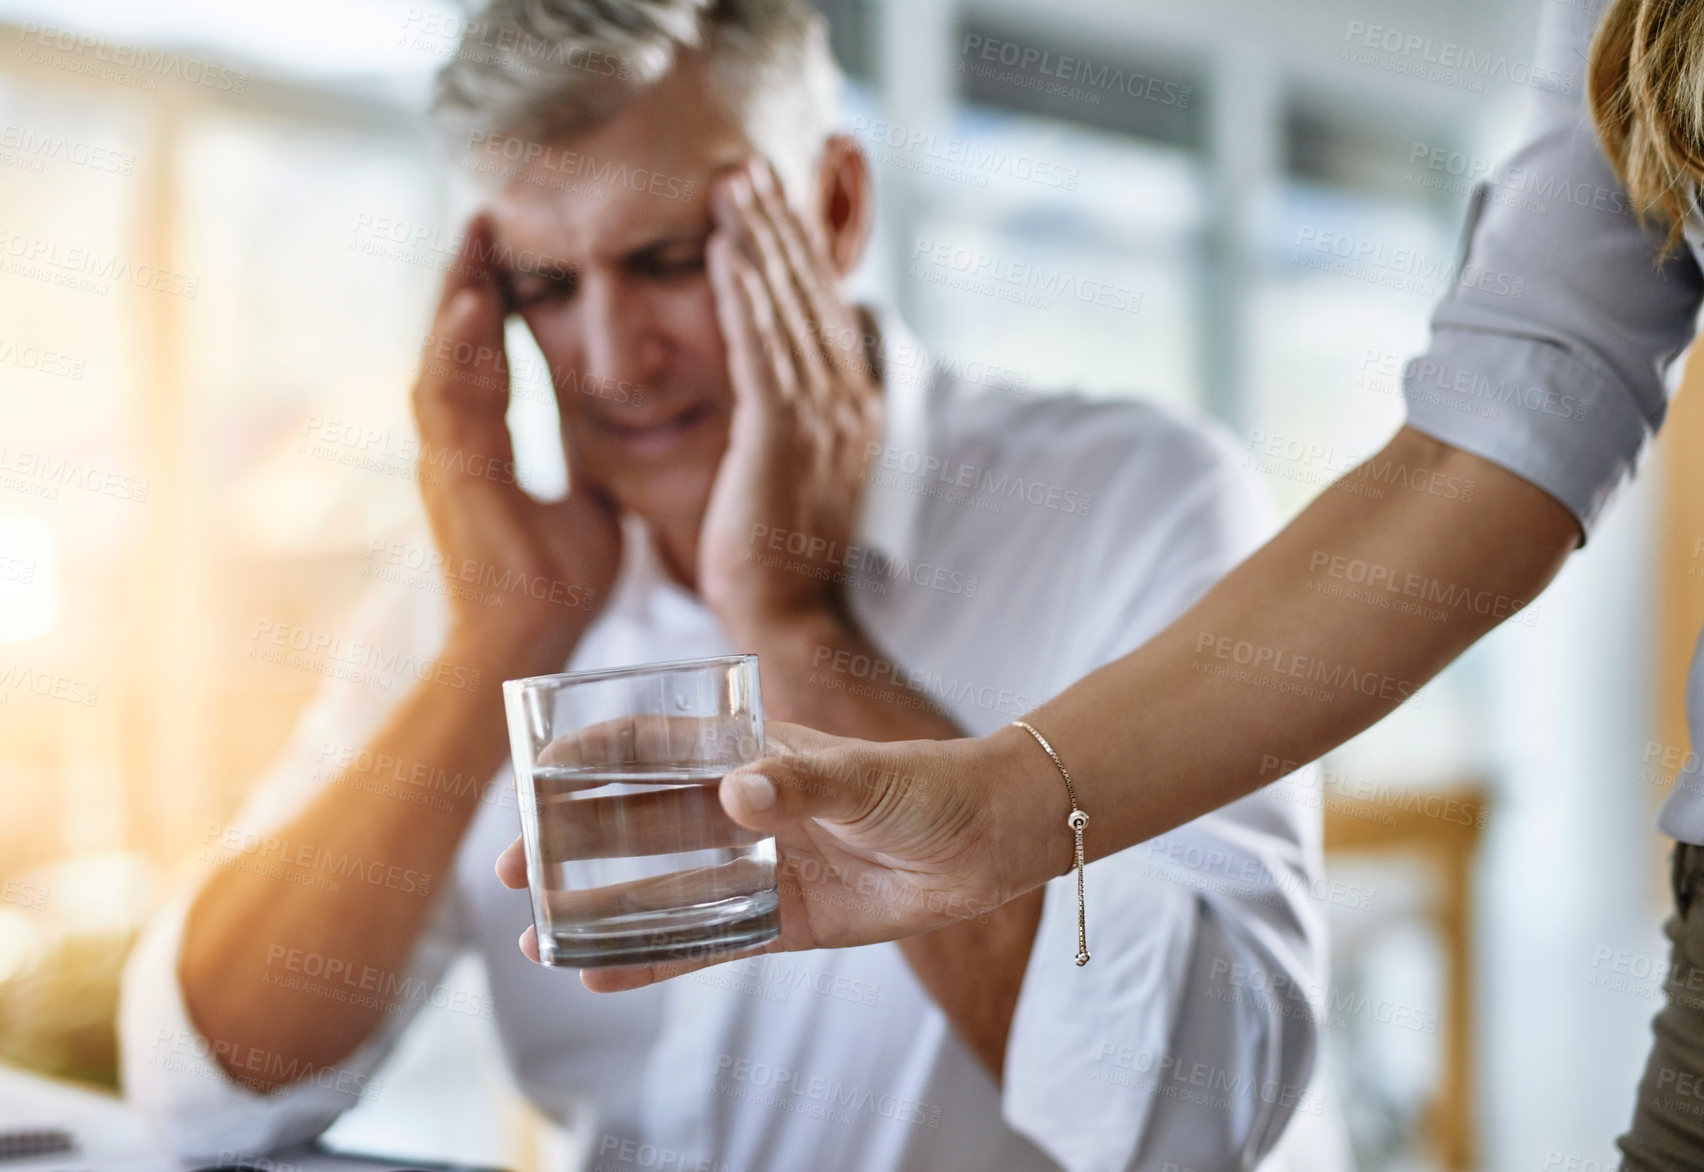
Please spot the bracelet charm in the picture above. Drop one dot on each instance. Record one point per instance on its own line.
(1075, 821)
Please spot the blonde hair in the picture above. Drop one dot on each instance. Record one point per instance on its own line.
(1645, 85)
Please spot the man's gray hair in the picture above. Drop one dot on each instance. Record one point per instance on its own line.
(544, 70)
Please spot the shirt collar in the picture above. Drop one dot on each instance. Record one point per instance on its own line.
(887, 519)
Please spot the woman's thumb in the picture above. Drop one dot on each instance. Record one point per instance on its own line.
(776, 790)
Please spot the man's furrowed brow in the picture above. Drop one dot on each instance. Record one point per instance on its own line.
(694, 238)
(537, 268)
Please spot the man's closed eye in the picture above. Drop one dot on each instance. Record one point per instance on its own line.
(525, 290)
(670, 263)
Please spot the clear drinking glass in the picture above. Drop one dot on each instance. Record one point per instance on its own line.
(630, 859)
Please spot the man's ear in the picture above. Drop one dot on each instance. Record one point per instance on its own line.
(844, 201)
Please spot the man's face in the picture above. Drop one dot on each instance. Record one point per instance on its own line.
(623, 308)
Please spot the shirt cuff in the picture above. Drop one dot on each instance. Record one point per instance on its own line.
(1086, 1042)
(197, 1109)
(1530, 406)
(170, 1072)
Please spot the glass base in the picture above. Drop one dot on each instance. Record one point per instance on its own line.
(607, 944)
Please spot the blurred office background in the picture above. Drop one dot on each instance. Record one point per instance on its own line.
(1489, 1011)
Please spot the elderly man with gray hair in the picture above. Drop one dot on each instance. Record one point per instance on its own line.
(754, 465)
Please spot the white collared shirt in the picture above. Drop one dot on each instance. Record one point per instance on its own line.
(1008, 546)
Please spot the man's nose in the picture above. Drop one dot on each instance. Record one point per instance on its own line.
(622, 341)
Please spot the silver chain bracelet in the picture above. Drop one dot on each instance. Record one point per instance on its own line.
(1076, 820)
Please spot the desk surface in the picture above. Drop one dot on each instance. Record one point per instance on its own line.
(110, 1136)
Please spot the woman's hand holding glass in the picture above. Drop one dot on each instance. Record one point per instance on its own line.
(876, 841)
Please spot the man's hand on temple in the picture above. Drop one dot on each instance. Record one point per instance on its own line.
(564, 555)
(806, 407)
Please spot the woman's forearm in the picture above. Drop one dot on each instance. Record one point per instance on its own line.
(1375, 588)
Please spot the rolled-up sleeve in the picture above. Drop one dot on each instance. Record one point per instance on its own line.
(1549, 356)
(1189, 1039)
(172, 1073)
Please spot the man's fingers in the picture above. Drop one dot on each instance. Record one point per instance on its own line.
(835, 341)
(827, 340)
(471, 268)
(734, 314)
(761, 350)
(777, 267)
(529, 944)
(463, 376)
(461, 397)
(462, 363)
(464, 350)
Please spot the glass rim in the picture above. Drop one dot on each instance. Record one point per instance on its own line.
(556, 679)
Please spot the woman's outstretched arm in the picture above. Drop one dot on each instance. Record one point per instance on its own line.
(1376, 587)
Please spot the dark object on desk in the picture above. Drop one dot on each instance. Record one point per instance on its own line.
(409, 1165)
(41, 1141)
(390, 1163)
